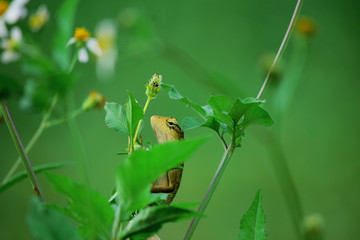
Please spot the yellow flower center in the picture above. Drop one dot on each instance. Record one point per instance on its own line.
(12, 45)
(36, 22)
(3, 7)
(306, 26)
(81, 34)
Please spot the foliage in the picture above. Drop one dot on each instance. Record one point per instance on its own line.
(223, 115)
(132, 212)
(252, 225)
(44, 223)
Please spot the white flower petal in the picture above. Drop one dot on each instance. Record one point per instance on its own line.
(15, 11)
(93, 45)
(83, 55)
(16, 34)
(71, 41)
(105, 66)
(9, 56)
(5, 43)
(3, 29)
(105, 28)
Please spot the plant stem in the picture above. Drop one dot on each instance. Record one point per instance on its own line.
(116, 223)
(224, 161)
(278, 160)
(20, 148)
(139, 124)
(73, 61)
(282, 45)
(34, 138)
(66, 118)
(78, 145)
(23, 174)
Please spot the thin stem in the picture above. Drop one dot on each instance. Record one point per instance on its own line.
(116, 223)
(282, 45)
(78, 145)
(33, 140)
(139, 124)
(224, 161)
(66, 118)
(73, 61)
(20, 148)
(285, 179)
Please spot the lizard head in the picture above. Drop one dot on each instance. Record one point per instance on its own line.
(166, 128)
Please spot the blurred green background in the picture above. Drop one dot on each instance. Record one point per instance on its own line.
(320, 131)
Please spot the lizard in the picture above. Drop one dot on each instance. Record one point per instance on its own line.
(167, 129)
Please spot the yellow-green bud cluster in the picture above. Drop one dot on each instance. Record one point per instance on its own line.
(313, 226)
(94, 100)
(153, 87)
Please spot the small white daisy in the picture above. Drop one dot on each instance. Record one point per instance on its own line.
(105, 33)
(11, 13)
(85, 42)
(11, 46)
(39, 18)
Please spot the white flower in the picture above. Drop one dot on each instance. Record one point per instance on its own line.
(105, 33)
(11, 46)
(39, 18)
(85, 42)
(11, 13)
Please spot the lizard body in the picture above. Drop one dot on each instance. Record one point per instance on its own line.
(167, 129)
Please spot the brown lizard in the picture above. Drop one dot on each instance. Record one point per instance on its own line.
(167, 129)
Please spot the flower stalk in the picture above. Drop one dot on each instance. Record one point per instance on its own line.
(209, 193)
(20, 148)
(152, 91)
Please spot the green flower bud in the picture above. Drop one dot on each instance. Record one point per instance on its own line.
(153, 87)
(313, 227)
(94, 100)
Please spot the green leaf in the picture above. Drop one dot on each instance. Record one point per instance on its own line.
(192, 123)
(221, 106)
(23, 175)
(149, 220)
(252, 225)
(47, 224)
(85, 205)
(240, 107)
(258, 115)
(134, 113)
(175, 94)
(65, 20)
(115, 117)
(137, 172)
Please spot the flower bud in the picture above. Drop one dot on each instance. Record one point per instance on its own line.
(94, 100)
(153, 87)
(314, 227)
(306, 26)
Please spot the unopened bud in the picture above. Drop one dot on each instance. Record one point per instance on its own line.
(153, 87)
(306, 26)
(94, 100)
(314, 227)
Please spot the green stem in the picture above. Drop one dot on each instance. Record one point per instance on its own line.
(224, 161)
(77, 141)
(73, 61)
(22, 175)
(285, 179)
(65, 119)
(116, 223)
(139, 124)
(20, 148)
(282, 45)
(33, 140)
